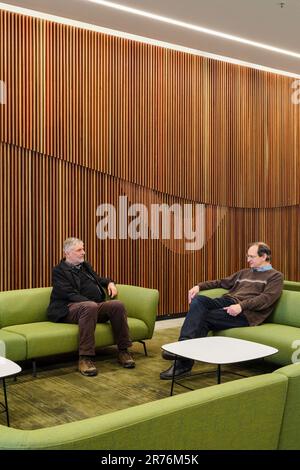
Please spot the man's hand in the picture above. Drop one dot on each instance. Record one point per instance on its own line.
(233, 310)
(192, 292)
(112, 290)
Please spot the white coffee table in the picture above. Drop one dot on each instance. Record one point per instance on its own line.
(217, 350)
(7, 368)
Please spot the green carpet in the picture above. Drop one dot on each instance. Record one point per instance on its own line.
(60, 394)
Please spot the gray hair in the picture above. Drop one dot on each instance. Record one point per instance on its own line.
(70, 242)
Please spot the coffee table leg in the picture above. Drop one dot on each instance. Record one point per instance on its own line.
(219, 374)
(5, 401)
(173, 376)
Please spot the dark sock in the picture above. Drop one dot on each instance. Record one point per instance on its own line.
(184, 362)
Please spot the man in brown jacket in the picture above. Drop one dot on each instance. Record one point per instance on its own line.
(252, 294)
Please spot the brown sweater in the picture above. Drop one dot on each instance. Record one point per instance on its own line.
(255, 291)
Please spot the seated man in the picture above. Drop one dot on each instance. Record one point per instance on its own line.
(251, 299)
(78, 296)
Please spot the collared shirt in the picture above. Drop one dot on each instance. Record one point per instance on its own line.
(263, 268)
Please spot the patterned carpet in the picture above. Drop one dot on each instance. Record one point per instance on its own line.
(60, 394)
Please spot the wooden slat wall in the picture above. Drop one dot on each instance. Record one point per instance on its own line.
(90, 117)
(44, 200)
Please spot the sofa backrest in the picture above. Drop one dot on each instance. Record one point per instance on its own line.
(24, 306)
(30, 305)
(242, 414)
(287, 310)
(289, 434)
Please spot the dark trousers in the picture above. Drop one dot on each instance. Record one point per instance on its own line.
(88, 314)
(207, 314)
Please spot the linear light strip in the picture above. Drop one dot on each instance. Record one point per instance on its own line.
(133, 37)
(194, 27)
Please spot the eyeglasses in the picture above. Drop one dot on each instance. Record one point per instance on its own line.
(251, 256)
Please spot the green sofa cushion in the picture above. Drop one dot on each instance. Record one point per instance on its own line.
(271, 334)
(104, 337)
(40, 338)
(47, 338)
(24, 306)
(12, 346)
(243, 414)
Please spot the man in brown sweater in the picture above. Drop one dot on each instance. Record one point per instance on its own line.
(251, 297)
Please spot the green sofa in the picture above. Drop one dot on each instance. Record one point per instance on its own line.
(26, 333)
(281, 330)
(261, 412)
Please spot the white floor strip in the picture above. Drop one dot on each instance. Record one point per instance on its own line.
(170, 323)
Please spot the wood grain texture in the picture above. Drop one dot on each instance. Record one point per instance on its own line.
(90, 118)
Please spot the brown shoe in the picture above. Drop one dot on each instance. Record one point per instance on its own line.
(87, 367)
(126, 360)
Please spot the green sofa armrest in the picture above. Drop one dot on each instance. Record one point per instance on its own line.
(213, 293)
(291, 285)
(141, 303)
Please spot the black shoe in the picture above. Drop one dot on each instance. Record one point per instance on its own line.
(182, 369)
(167, 355)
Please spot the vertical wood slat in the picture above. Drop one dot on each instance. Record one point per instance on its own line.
(108, 100)
(89, 117)
(44, 200)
